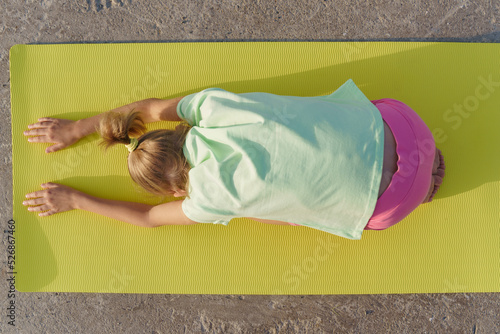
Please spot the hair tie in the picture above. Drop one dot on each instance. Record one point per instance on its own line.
(133, 144)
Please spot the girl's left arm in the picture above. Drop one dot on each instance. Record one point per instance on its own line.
(59, 198)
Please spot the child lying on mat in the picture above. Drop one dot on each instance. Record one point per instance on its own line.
(338, 163)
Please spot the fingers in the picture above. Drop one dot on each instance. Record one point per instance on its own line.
(48, 213)
(44, 139)
(35, 132)
(435, 165)
(39, 208)
(40, 136)
(36, 205)
(38, 201)
(40, 193)
(38, 139)
(438, 180)
(44, 210)
(42, 123)
(49, 185)
(35, 194)
(428, 197)
(54, 148)
(46, 119)
(39, 130)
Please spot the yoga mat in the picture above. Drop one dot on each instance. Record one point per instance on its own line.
(449, 245)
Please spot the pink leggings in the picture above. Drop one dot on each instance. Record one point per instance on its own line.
(416, 151)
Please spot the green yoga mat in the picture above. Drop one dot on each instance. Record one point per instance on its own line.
(449, 245)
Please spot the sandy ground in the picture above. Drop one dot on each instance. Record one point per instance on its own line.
(49, 21)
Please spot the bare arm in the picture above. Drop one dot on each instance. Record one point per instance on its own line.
(59, 198)
(63, 132)
(152, 110)
(136, 213)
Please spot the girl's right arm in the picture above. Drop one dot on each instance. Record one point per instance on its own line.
(63, 133)
(56, 198)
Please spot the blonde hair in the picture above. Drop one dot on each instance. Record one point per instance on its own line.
(158, 163)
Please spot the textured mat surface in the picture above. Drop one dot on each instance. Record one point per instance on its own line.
(449, 245)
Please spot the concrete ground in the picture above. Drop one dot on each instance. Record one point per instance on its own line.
(56, 21)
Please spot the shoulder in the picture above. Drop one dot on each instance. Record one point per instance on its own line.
(169, 213)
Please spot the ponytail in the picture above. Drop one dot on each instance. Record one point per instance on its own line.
(117, 128)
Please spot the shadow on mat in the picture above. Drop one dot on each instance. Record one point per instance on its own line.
(41, 264)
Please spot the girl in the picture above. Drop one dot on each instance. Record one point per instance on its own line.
(338, 163)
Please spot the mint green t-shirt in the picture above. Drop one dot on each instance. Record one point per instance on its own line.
(313, 161)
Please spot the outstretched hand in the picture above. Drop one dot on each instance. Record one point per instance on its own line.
(61, 132)
(54, 198)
